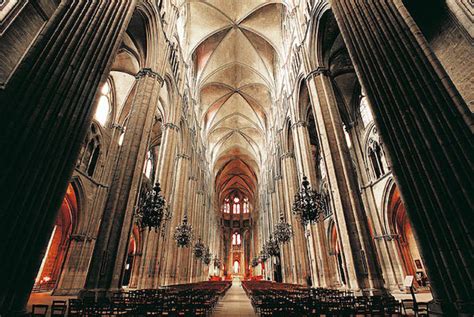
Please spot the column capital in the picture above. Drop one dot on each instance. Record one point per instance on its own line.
(183, 156)
(388, 237)
(298, 124)
(169, 125)
(287, 155)
(320, 70)
(150, 73)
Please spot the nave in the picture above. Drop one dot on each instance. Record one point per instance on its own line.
(155, 152)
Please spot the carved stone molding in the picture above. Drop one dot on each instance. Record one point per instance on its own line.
(300, 123)
(318, 71)
(278, 177)
(170, 125)
(150, 73)
(192, 178)
(81, 237)
(287, 155)
(388, 237)
(183, 156)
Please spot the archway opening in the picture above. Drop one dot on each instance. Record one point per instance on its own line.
(56, 250)
(336, 253)
(406, 241)
(132, 246)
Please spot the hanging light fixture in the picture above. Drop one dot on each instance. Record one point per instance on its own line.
(272, 247)
(264, 253)
(217, 262)
(207, 256)
(283, 231)
(309, 204)
(199, 249)
(254, 262)
(183, 233)
(152, 211)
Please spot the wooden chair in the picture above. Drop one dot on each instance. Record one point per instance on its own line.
(39, 310)
(58, 308)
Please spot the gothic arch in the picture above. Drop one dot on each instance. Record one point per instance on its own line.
(374, 157)
(399, 228)
(65, 227)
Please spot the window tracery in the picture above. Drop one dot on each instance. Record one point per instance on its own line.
(236, 206)
(375, 156)
(365, 112)
(148, 168)
(226, 206)
(236, 240)
(246, 206)
(90, 153)
(103, 107)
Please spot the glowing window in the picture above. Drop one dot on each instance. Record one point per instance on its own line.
(236, 205)
(348, 138)
(148, 165)
(105, 89)
(120, 139)
(226, 206)
(102, 111)
(236, 239)
(365, 112)
(246, 206)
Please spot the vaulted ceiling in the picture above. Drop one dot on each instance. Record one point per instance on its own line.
(234, 46)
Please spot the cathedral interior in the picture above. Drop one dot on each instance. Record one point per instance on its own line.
(236, 157)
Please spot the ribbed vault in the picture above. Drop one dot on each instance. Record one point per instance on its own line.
(234, 47)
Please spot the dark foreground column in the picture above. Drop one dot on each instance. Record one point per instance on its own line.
(425, 126)
(46, 109)
(110, 251)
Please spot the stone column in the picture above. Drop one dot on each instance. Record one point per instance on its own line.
(427, 130)
(47, 107)
(317, 237)
(358, 250)
(171, 251)
(154, 241)
(298, 244)
(106, 269)
(386, 244)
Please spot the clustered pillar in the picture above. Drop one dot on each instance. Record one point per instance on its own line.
(426, 128)
(106, 269)
(46, 111)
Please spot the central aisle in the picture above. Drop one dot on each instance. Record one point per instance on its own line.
(235, 303)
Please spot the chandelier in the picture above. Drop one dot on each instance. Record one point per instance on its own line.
(183, 233)
(207, 256)
(272, 247)
(217, 262)
(264, 254)
(199, 249)
(152, 210)
(308, 205)
(254, 262)
(283, 231)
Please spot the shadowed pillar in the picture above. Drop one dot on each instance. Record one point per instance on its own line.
(107, 265)
(47, 108)
(425, 126)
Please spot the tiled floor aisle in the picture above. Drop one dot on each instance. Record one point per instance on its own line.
(235, 303)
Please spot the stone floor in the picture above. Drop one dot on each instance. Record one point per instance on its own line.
(235, 303)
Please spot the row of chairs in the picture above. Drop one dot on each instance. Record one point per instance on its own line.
(58, 308)
(196, 299)
(280, 299)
